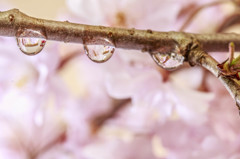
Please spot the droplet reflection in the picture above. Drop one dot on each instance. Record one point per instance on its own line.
(30, 45)
(100, 53)
(168, 61)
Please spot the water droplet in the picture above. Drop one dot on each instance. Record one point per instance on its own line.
(100, 53)
(168, 61)
(28, 44)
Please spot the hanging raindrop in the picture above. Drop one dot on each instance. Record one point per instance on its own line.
(30, 42)
(100, 53)
(168, 61)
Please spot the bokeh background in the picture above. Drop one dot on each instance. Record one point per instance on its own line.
(61, 105)
(44, 9)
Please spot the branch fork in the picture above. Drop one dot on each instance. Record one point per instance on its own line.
(199, 57)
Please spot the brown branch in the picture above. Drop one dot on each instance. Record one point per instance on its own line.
(146, 40)
(200, 57)
(228, 22)
(13, 20)
(99, 120)
(198, 10)
(65, 60)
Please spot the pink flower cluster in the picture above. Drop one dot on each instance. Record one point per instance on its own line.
(125, 108)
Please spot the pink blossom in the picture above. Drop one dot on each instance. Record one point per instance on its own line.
(132, 13)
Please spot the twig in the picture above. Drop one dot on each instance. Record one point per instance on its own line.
(228, 22)
(99, 120)
(199, 9)
(146, 40)
(66, 59)
(200, 57)
(192, 46)
(231, 52)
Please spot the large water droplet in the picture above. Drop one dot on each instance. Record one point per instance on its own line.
(168, 61)
(100, 53)
(30, 45)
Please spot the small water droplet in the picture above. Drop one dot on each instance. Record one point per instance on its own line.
(168, 61)
(30, 45)
(100, 53)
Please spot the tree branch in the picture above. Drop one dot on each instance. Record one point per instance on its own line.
(192, 46)
(146, 40)
(200, 57)
(199, 9)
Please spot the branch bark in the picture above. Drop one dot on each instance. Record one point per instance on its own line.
(146, 40)
(200, 57)
(192, 46)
